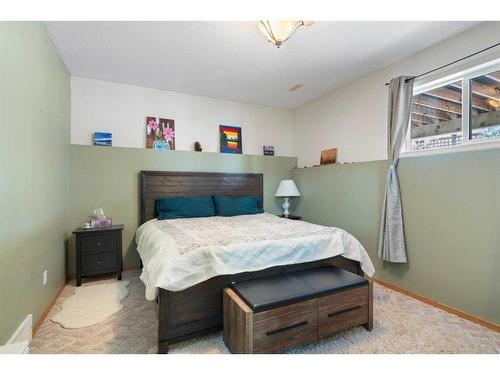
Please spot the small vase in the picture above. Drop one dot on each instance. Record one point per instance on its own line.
(161, 145)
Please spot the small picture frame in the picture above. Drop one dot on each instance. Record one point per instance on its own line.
(268, 150)
(160, 133)
(230, 139)
(328, 156)
(103, 139)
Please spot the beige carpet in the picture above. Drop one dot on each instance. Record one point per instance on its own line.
(401, 325)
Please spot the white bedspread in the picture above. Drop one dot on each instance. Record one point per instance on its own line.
(179, 253)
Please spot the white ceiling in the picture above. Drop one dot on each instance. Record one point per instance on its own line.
(232, 60)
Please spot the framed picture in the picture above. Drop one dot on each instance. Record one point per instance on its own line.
(268, 150)
(160, 133)
(230, 139)
(328, 156)
(102, 139)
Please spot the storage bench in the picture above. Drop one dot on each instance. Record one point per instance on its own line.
(271, 314)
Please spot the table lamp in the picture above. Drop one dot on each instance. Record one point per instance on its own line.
(287, 189)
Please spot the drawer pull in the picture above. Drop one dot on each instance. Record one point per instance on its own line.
(275, 331)
(343, 311)
(99, 261)
(98, 243)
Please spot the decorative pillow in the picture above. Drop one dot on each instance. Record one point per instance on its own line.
(184, 207)
(232, 206)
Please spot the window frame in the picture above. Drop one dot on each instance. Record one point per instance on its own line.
(467, 144)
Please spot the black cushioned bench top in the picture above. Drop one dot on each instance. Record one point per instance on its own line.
(271, 292)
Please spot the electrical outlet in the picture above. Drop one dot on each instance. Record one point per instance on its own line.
(44, 277)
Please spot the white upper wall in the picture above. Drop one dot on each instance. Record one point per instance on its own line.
(122, 110)
(353, 118)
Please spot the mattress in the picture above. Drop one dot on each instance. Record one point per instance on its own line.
(179, 253)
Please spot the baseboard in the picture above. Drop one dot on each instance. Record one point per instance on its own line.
(451, 310)
(46, 311)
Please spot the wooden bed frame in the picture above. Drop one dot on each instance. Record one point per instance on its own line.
(198, 310)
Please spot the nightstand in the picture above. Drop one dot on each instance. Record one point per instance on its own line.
(98, 251)
(291, 217)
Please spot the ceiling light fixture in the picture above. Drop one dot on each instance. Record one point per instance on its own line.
(278, 32)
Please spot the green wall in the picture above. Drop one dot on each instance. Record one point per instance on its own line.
(451, 206)
(34, 138)
(108, 177)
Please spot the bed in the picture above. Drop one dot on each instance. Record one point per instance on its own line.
(188, 262)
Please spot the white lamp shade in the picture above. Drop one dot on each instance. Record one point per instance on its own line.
(287, 188)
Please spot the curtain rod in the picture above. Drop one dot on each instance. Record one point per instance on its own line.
(451, 63)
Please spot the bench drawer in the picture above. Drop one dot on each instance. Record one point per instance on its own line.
(343, 310)
(281, 328)
(98, 244)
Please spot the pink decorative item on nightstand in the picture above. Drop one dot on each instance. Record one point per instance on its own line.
(99, 220)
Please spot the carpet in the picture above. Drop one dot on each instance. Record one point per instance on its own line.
(401, 325)
(91, 304)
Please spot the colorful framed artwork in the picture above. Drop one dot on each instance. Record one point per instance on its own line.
(230, 139)
(102, 139)
(160, 133)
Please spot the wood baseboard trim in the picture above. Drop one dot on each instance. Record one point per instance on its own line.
(451, 310)
(42, 317)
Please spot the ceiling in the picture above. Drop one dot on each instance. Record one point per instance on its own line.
(232, 60)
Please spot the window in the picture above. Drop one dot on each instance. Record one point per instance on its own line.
(463, 109)
(485, 106)
(436, 117)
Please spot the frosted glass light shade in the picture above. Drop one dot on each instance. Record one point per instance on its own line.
(287, 188)
(278, 32)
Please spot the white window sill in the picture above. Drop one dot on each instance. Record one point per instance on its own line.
(469, 146)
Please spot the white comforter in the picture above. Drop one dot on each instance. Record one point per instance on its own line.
(177, 254)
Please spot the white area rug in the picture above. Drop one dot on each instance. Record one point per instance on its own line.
(92, 304)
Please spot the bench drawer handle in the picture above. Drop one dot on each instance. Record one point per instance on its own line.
(99, 261)
(275, 331)
(98, 243)
(343, 311)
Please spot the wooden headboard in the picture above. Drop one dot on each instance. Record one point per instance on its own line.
(156, 184)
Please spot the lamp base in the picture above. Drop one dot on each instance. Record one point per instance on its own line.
(286, 207)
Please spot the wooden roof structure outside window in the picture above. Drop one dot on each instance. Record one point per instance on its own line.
(439, 111)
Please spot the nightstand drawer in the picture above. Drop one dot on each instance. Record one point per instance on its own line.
(98, 244)
(98, 262)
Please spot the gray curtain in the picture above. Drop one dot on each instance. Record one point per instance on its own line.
(392, 239)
